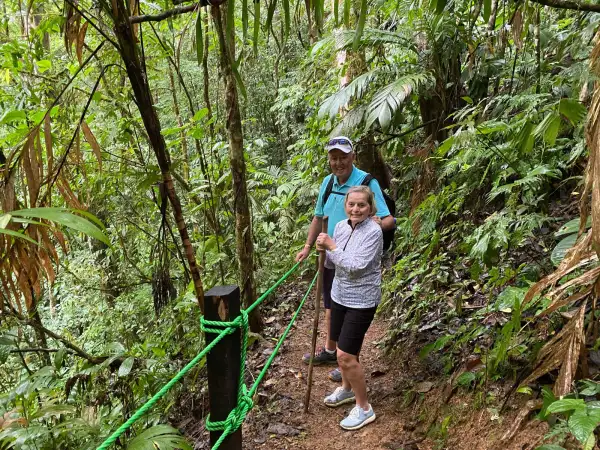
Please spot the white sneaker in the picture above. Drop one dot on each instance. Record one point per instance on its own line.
(358, 418)
(339, 397)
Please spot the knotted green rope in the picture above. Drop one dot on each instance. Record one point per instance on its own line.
(150, 403)
(245, 403)
(222, 329)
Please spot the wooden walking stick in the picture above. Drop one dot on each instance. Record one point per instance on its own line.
(317, 311)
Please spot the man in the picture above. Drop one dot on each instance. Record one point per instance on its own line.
(341, 159)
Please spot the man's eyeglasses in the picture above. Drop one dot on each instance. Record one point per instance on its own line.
(339, 142)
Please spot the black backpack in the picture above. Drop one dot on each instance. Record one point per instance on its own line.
(388, 235)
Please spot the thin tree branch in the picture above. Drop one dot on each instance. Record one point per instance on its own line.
(166, 14)
(38, 326)
(44, 350)
(404, 133)
(569, 4)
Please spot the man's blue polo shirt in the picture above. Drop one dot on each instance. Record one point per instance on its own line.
(335, 203)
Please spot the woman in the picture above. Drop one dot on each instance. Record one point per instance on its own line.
(355, 251)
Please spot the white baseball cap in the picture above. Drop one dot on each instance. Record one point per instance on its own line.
(340, 143)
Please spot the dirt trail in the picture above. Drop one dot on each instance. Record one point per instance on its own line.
(287, 427)
(401, 392)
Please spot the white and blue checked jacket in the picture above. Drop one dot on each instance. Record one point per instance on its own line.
(357, 261)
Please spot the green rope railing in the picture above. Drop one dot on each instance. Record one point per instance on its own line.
(245, 403)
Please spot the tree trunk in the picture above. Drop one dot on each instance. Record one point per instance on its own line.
(369, 157)
(243, 225)
(5, 18)
(137, 76)
(184, 147)
(538, 52)
(435, 108)
(206, 77)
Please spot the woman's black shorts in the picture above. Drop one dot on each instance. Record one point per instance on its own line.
(348, 326)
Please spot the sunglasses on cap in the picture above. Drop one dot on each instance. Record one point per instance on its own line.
(339, 141)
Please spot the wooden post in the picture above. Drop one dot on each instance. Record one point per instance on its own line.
(222, 303)
(318, 296)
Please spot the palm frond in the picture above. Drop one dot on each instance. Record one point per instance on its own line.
(370, 37)
(385, 103)
(353, 91)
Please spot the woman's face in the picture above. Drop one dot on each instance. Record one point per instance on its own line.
(357, 207)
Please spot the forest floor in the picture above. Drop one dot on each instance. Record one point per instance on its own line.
(405, 396)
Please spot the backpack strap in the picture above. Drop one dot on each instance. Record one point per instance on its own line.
(367, 180)
(328, 190)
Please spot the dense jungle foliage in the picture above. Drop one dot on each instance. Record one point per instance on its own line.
(151, 151)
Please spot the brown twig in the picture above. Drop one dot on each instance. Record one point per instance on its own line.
(569, 4)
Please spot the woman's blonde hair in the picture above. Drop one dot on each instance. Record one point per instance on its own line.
(368, 192)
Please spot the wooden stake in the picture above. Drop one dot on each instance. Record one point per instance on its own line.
(317, 311)
(223, 362)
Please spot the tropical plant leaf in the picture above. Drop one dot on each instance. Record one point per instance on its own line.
(572, 110)
(362, 19)
(572, 226)
(487, 10)
(583, 423)
(390, 98)
(18, 235)
(66, 218)
(548, 128)
(80, 42)
(353, 91)
(336, 12)
(559, 252)
(126, 367)
(163, 437)
(347, 7)
(566, 405)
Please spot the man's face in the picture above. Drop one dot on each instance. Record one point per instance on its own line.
(341, 163)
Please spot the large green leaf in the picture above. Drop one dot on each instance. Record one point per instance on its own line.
(347, 7)
(18, 235)
(548, 128)
(487, 9)
(583, 423)
(572, 226)
(64, 217)
(572, 110)
(386, 102)
(566, 405)
(336, 12)
(126, 367)
(13, 116)
(159, 437)
(524, 139)
(53, 410)
(559, 252)
(5, 220)
(362, 19)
